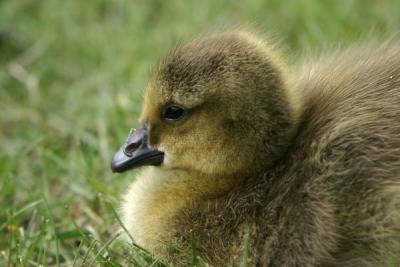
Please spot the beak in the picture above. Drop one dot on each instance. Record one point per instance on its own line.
(135, 152)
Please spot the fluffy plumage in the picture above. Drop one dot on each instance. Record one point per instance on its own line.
(302, 164)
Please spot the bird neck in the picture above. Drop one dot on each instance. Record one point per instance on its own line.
(158, 195)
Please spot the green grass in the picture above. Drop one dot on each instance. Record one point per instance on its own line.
(71, 77)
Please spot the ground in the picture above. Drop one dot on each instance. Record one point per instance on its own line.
(71, 78)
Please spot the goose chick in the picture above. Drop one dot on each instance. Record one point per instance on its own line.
(252, 162)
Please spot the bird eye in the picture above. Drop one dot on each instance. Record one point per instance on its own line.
(173, 113)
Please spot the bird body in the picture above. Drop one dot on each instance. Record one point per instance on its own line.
(268, 165)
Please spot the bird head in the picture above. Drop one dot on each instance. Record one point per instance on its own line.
(217, 105)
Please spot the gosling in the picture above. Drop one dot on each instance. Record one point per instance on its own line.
(253, 163)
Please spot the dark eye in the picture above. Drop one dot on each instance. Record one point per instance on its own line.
(173, 113)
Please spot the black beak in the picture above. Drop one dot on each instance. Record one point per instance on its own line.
(135, 152)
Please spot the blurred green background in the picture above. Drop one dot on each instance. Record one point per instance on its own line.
(71, 77)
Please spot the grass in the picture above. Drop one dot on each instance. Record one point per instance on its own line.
(71, 77)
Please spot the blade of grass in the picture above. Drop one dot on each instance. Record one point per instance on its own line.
(77, 253)
(109, 242)
(19, 212)
(91, 246)
(52, 222)
(245, 250)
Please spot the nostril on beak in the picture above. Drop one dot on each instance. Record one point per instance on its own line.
(130, 148)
